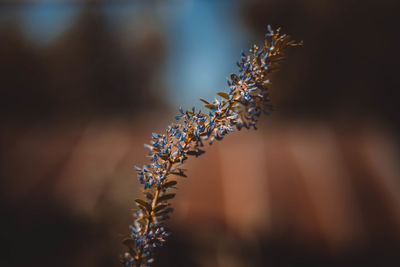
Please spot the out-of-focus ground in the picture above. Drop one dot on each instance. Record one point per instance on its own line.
(317, 185)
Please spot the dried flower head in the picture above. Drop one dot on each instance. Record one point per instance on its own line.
(240, 107)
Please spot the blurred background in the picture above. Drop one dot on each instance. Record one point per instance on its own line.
(84, 83)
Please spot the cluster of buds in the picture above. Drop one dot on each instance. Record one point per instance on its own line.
(247, 99)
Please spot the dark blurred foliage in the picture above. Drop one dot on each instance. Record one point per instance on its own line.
(49, 96)
(85, 72)
(347, 67)
(344, 74)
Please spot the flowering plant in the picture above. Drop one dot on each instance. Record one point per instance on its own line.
(241, 107)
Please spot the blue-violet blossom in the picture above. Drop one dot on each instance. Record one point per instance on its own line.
(240, 107)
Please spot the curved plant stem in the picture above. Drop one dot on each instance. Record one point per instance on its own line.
(247, 99)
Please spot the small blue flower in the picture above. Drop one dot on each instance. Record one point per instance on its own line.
(239, 108)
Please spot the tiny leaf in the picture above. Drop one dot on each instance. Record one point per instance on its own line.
(223, 94)
(210, 106)
(144, 209)
(160, 207)
(179, 174)
(165, 211)
(170, 183)
(165, 197)
(205, 101)
(195, 152)
(143, 203)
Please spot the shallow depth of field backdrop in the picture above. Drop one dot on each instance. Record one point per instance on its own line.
(84, 83)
